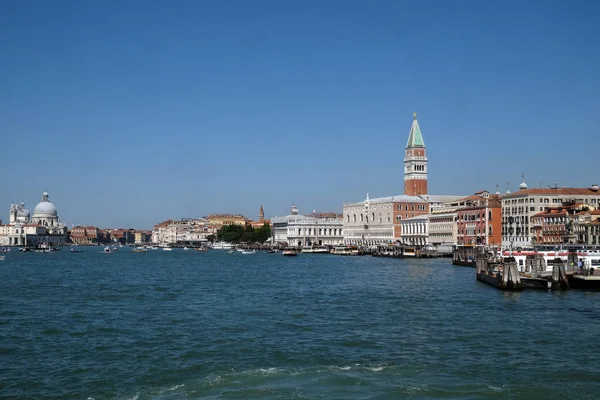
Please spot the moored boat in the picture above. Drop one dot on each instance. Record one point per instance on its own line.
(290, 252)
(315, 250)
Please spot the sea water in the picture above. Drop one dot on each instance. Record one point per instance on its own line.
(192, 325)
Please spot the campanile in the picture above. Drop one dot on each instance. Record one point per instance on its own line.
(415, 162)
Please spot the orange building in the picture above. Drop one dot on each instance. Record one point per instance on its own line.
(480, 222)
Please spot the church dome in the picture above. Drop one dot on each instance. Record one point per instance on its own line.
(23, 213)
(45, 208)
(523, 185)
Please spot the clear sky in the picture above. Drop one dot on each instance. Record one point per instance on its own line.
(133, 112)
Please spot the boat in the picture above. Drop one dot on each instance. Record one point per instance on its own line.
(167, 248)
(4, 249)
(109, 249)
(345, 251)
(2, 257)
(271, 251)
(222, 246)
(249, 252)
(202, 249)
(186, 248)
(24, 249)
(75, 251)
(290, 252)
(140, 249)
(315, 249)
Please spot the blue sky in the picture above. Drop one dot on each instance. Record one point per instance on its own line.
(133, 112)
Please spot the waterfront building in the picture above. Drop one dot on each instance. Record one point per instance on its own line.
(415, 231)
(592, 233)
(443, 229)
(301, 230)
(218, 220)
(518, 209)
(564, 224)
(44, 227)
(378, 221)
(479, 222)
(142, 237)
(86, 235)
(184, 231)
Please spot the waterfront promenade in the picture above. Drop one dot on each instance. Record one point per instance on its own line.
(184, 324)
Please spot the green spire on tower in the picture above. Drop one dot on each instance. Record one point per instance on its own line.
(415, 139)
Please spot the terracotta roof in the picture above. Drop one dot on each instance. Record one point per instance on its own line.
(554, 191)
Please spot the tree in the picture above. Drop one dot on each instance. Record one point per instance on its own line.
(211, 238)
(263, 233)
(230, 233)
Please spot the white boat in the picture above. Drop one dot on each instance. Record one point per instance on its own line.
(345, 250)
(185, 248)
(290, 252)
(222, 246)
(590, 258)
(249, 252)
(140, 249)
(109, 249)
(315, 249)
(2, 257)
(167, 249)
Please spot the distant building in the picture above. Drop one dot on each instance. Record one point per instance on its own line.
(518, 209)
(261, 219)
(479, 222)
(142, 237)
(218, 220)
(443, 229)
(86, 235)
(301, 230)
(44, 227)
(185, 231)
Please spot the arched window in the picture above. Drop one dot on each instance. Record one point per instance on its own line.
(388, 219)
(354, 218)
(373, 215)
(348, 217)
(361, 218)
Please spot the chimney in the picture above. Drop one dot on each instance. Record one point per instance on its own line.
(595, 187)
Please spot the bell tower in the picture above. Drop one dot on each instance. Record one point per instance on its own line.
(415, 162)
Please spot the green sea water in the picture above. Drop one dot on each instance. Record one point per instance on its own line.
(190, 325)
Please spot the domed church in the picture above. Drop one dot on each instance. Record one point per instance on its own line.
(43, 227)
(45, 213)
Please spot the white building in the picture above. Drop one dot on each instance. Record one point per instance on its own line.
(443, 230)
(519, 207)
(183, 231)
(301, 230)
(43, 227)
(415, 231)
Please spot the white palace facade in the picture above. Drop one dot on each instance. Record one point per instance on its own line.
(302, 230)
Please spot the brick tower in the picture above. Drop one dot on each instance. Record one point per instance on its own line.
(415, 162)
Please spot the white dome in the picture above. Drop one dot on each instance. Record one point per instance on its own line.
(523, 185)
(23, 212)
(44, 209)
